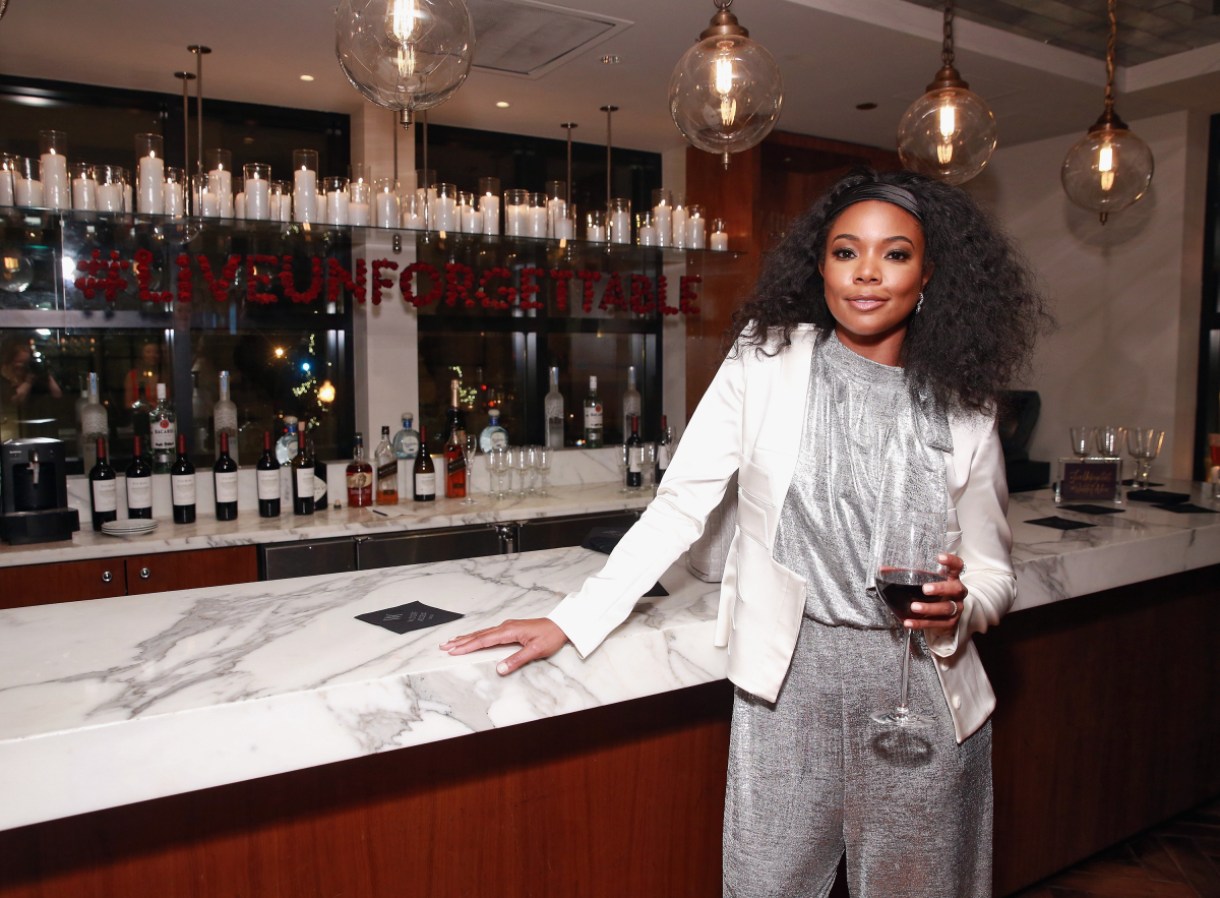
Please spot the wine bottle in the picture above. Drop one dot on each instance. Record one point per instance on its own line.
(385, 462)
(665, 448)
(224, 475)
(631, 402)
(139, 413)
(224, 418)
(103, 488)
(552, 409)
(302, 477)
(139, 483)
(635, 455)
(267, 473)
(593, 416)
(163, 426)
(455, 465)
(359, 477)
(182, 485)
(423, 477)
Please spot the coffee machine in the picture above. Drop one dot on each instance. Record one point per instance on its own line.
(34, 492)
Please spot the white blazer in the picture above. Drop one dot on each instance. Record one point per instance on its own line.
(750, 421)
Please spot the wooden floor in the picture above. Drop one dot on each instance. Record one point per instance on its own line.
(1180, 859)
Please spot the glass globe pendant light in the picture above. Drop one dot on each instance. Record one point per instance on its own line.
(949, 133)
(1109, 168)
(726, 92)
(408, 55)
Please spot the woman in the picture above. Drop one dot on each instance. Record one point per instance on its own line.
(892, 315)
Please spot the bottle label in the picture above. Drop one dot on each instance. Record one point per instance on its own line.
(182, 489)
(304, 482)
(226, 486)
(387, 476)
(425, 484)
(663, 456)
(593, 416)
(139, 492)
(635, 459)
(163, 436)
(455, 460)
(268, 485)
(105, 495)
(358, 481)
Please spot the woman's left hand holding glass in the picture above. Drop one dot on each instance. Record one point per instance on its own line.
(946, 598)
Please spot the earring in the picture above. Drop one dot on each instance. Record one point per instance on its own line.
(919, 305)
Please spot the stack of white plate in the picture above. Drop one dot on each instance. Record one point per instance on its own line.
(130, 527)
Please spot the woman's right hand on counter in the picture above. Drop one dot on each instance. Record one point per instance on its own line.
(539, 637)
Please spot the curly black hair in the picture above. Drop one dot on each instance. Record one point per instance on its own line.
(981, 313)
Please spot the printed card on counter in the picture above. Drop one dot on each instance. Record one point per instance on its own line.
(408, 617)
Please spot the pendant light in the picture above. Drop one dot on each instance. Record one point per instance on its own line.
(408, 55)
(726, 91)
(949, 133)
(1109, 168)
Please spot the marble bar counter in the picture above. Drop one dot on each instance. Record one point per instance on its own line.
(120, 700)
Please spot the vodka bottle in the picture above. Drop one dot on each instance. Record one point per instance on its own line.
(493, 434)
(406, 441)
(163, 433)
(94, 424)
(552, 408)
(224, 418)
(593, 416)
(631, 402)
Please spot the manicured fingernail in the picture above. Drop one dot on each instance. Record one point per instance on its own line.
(502, 668)
(917, 607)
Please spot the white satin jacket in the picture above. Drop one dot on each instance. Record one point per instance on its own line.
(750, 421)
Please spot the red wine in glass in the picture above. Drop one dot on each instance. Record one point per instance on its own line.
(902, 586)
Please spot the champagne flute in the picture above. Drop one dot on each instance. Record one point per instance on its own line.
(1082, 438)
(543, 459)
(520, 464)
(1144, 445)
(906, 560)
(472, 450)
(497, 464)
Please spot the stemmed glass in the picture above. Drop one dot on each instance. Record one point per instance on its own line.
(624, 462)
(1082, 438)
(1110, 440)
(521, 464)
(906, 560)
(1144, 445)
(472, 450)
(542, 460)
(498, 465)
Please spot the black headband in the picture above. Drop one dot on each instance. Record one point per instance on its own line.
(872, 190)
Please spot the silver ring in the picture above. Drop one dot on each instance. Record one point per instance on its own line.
(957, 607)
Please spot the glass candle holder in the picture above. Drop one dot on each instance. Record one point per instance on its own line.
(360, 198)
(150, 174)
(719, 240)
(27, 185)
(618, 217)
(205, 200)
(304, 185)
(337, 202)
(470, 219)
(281, 201)
(239, 197)
(646, 232)
(256, 184)
(111, 188)
(696, 227)
(565, 225)
(556, 205)
(175, 192)
(516, 207)
(443, 208)
(489, 204)
(536, 215)
(678, 236)
(84, 187)
(8, 172)
(414, 210)
(53, 170)
(218, 163)
(663, 215)
(385, 203)
(595, 226)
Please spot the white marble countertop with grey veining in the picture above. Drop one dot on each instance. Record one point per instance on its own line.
(114, 701)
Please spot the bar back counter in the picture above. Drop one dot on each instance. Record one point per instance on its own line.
(258, 739)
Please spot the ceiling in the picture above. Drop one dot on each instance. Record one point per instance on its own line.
(1035, 61)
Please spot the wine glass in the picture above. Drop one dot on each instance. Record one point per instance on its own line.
(624, 462)
(1082, 438)
(1110, 440)
(543, 461)
(498, 465)
(906, 560)
(521, 464)
(1144, 445)
(472, 450)
(531, 464)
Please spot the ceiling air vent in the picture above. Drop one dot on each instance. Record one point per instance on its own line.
(526, 38)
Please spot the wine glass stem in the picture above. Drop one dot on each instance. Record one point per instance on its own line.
(902, 710)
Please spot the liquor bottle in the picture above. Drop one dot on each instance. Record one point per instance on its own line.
(224, 475)
(423, 477)
(267, 474)
(359, 477)
(493, 434)
(665, 448)
(386, 464)
(552, 409)
(103, 488)
(182, 485)
(139, 483)
(302, 477)
(224, 418)
(94, 423)
(406, 441)
(631, 402)
(163, 433)
(455, 420)
(455, 464)
(201, 414)
(286, 446)
(593, 416)
(635, 455)
(139, 413)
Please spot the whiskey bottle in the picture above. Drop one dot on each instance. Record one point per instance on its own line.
(359, 477)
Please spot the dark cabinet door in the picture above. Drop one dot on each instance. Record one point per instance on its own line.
(68, 581)
(322, 556)
(570, 530)
(428, 545)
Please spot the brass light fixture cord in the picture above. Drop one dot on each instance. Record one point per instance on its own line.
(1111, 47)
(946, 51)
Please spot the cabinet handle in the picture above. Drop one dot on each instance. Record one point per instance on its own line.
(145, 573)
(107, 576)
